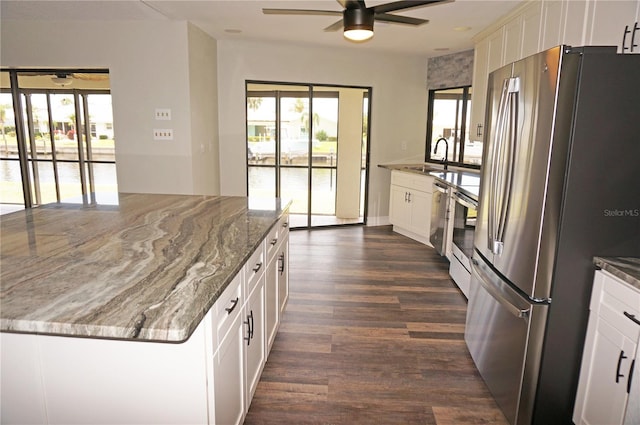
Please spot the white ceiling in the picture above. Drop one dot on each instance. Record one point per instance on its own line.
(244, 20)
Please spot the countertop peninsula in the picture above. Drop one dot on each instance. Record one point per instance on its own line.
(466, 180)
(148, 268)
(625, 268)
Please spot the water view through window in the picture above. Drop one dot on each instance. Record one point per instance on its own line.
(297, 151)
(60, 147)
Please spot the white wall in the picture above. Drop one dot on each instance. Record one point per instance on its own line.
(166, 64)
(204, 112)
(151, 64)
(399, 103)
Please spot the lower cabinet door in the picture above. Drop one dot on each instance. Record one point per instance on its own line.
(229, 385)
(271, 298)
(283, 277)
(254, 338)
(602, 393)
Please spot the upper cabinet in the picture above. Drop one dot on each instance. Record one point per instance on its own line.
(606, 21)
(539, 25)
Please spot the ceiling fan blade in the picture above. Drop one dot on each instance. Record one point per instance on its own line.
(301, 12)
(405, 4)
(395, 19)
(335, 27)
(352, 4)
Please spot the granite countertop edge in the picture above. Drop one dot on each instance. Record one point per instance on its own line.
(180, 325)
(624, 268)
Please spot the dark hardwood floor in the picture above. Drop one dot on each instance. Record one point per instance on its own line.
(373, 334)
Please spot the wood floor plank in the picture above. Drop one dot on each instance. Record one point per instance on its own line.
(373, 334)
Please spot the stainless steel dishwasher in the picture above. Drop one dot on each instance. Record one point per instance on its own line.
(439, 217)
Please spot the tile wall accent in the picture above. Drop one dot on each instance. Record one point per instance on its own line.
(454, 70)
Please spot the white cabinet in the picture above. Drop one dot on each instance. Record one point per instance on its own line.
(531, 28)
(276, 280)
(512, 40)
(610, 352)
(208, 379)
(540, 25)
(410, 204)
(271, 302)
(254, 337)
(229, 382)
(283, 276)
(479, 91)
(606, 22)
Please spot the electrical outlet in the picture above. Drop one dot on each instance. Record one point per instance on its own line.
(162, 134)
(163, 114)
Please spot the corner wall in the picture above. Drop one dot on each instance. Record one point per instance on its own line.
(149, 65)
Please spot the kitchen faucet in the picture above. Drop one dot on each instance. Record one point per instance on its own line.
(446, 153)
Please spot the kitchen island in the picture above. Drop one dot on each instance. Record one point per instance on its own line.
(116, 313)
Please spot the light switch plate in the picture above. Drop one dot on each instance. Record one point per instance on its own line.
(162, 134)
(163, 114)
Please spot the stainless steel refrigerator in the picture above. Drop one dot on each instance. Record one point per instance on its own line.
(560, 184)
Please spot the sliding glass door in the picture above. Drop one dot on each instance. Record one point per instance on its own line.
(308, 144)
(59, 147)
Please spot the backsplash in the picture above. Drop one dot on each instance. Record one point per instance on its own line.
(454, 70)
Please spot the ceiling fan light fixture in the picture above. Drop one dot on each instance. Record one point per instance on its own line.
(61, 81)
(358, 24)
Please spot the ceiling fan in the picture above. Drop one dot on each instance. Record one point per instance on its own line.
(357, 19)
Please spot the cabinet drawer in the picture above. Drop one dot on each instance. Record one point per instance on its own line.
(271, 241)
(227, 308)
(412, 181)
(254, 268)
(284, 226)
(617, 302)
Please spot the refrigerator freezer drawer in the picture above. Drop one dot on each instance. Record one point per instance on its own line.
(496, 335)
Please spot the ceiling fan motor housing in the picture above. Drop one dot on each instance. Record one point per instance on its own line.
(358, 19)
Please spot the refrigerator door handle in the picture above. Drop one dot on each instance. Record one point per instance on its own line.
(494, 171)
(504, 157)
(495, 293)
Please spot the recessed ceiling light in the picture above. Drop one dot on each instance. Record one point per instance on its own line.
(233, 31)
(461, 29)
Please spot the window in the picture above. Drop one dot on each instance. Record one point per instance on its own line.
(59, 147)
(448, 118)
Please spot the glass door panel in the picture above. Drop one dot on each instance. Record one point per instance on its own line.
(294, 185)
(262, 182)
(293, 129)
(11, 196)
(261, 128)
(65, 141)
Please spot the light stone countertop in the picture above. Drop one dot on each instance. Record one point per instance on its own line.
(467, 180)
(625, 268)
(148, 268)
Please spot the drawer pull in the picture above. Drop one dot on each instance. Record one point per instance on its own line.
(620, 358)
(274, 241)
(285, 224)
(250, 325)
(235, 303)
(281, 263)
(632, 317)
(633, 363)
(257, 267)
